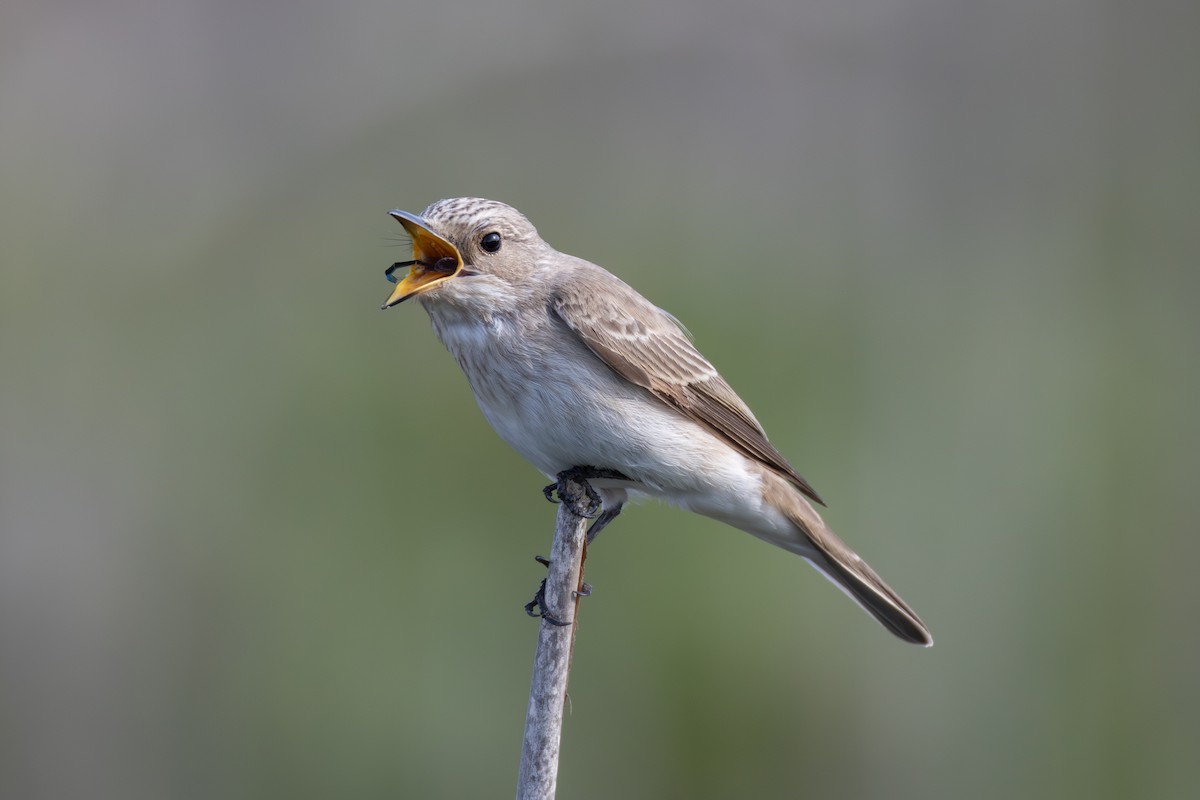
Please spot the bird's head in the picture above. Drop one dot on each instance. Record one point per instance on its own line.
(464, 239)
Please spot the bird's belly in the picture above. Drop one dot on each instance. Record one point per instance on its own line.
(567, 408)
(665, 455)
(561, 418)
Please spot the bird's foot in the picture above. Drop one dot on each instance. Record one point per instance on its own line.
(539, 599)
(580, 497)
(573, 488)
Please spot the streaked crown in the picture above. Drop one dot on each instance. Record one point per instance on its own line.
(457, 216)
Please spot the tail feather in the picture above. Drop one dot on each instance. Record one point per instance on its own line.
(875, 597)
(845, 569)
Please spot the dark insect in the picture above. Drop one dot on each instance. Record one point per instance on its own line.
(387, 273)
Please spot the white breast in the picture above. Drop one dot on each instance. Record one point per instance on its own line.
(559, 406)
(549, 396)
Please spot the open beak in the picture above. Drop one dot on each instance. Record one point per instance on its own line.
(435, 259)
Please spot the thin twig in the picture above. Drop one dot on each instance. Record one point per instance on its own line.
(552, 661)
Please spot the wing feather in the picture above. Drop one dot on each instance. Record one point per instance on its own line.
(643, 344)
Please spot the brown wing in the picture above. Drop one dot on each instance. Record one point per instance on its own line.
(644, 345)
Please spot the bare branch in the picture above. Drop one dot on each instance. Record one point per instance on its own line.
(552, 661)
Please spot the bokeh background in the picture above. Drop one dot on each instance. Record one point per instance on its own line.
(257, 541)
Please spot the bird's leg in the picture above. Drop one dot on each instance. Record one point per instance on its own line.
(572, 488)
(607, 516)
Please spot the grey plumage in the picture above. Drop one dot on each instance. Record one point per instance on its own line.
(573, 367)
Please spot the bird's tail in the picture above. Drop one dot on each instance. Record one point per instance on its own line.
(866, 588)
(846, 570)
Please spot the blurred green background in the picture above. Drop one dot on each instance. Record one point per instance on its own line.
(257, 541)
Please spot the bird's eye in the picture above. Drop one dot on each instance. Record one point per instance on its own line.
(490, 242)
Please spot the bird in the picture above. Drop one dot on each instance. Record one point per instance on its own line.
(573, 367)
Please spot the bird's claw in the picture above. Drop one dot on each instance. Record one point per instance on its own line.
(567, 492)
(539, 601)
(580, 497)
(560, 491)
(537, 606)
(575, 498)
(572, 488)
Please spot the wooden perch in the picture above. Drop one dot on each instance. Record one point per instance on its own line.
(552, 661)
